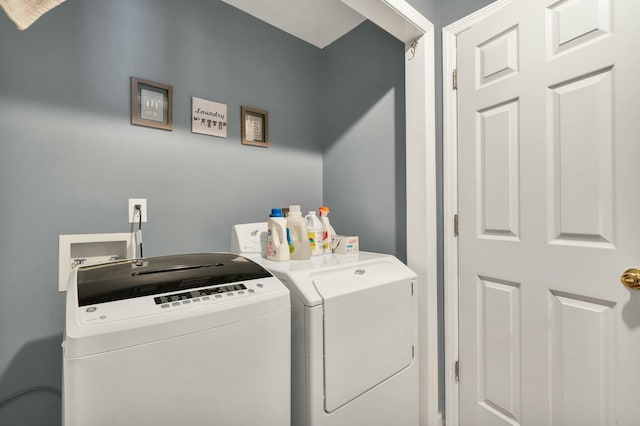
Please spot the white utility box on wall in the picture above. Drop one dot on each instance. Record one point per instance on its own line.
(91, 249)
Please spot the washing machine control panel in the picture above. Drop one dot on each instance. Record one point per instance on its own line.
(169, 302)
(204, 294)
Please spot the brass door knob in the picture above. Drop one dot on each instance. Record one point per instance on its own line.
(631, 279)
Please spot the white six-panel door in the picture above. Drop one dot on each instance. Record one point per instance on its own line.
(549, 207)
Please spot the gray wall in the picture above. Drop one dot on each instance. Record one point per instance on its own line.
(364, 172)
(69, 158)
(428, 8)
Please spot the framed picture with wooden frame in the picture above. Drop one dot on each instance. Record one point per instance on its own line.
(151, 104)
(255, 127)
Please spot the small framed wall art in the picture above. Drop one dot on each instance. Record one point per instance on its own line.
(208, 117)
(255, 127)
(151, 104)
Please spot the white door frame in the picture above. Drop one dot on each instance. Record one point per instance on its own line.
(402, 21)
(450, 195)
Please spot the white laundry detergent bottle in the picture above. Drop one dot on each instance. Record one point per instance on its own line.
(328, 233)
(299, 247)
(314, 229)
(277, 246)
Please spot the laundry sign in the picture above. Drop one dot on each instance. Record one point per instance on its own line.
(208, 117)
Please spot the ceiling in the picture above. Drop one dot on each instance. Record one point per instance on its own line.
(319, 22)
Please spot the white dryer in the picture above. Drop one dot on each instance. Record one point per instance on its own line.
(354, 336)
(190, 340)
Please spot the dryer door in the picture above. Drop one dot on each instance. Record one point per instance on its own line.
(368, 327)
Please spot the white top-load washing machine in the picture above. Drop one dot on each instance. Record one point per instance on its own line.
(354, 335)
(189, 340)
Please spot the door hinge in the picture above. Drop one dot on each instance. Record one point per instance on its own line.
(455, 79)
(411, 288)
(456, 371)
(413, 352)
(455, 225)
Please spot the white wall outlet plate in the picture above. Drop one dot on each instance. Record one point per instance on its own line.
(133, 213)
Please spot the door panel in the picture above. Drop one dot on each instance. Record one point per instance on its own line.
(580, 123)
(499, 328)
(582, 361)
(498, 173)
(497, 57)
(548, 125)
(573, 23)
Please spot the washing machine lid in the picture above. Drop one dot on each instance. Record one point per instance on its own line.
(368, 326)
(155, 275)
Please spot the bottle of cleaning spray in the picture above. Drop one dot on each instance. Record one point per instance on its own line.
(277, 247)
(314, 228)
(328, 233)
(299, 247)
